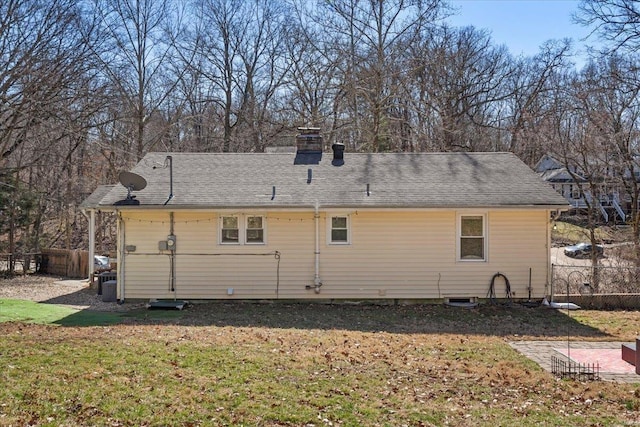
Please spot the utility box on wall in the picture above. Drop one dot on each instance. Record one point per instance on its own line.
(171, 242)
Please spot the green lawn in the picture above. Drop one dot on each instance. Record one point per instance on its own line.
(303, 365)
(12, 310)
(33, 312)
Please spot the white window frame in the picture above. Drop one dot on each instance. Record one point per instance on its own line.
(243, 226)
(246, 229)
(485, 234)
(220, 230)
(330, 240)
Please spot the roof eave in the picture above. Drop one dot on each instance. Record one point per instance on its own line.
(305, 207)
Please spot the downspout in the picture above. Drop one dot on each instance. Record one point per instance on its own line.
(91, 218)
(317, 283)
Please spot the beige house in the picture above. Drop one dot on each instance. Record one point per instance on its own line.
(332, 226)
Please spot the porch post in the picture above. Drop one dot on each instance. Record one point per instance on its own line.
(92, 244)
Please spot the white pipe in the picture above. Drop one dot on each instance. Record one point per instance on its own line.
(316, 279)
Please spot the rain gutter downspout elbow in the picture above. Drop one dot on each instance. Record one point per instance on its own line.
(170, 160)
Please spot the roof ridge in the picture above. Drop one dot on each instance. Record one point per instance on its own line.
(431, 153)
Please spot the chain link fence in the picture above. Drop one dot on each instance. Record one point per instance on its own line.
(600, 286)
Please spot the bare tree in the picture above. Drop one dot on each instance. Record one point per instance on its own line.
(41, 52)
(309, 81)
(596, 121)
(240, 65)
(612, 105)
(580, 151)
(133, 55)
(461, 79)
(48, 100)
(617, 22)
(530, 106)
(371, 37)
(216, 64)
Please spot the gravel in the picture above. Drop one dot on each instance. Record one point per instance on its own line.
(77, 294)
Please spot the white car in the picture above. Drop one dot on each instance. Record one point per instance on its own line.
(583, 250)
(101, 262)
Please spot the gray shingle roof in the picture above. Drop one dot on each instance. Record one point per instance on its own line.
(96, 196)
(560, 175)
(394, 180)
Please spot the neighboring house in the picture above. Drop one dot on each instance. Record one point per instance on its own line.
(333, 226)
(559, 177)
(569, 183)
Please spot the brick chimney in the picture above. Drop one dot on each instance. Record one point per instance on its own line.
(309, 140)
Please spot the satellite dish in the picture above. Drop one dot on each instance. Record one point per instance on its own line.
(132, 182)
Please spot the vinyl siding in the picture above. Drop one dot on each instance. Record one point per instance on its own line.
(205, 269)
(391, 254)
(414, 255)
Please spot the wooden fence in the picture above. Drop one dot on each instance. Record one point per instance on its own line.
(63, 262)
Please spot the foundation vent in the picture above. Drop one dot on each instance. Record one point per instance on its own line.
(466, 302)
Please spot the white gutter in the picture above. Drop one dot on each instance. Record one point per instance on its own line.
(317, 283)
(299, 208)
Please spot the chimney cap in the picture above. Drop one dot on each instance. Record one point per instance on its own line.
(338, 154)
(308, 130)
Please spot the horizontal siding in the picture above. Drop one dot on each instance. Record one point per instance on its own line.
(391, 255)
(146, 271)
(205, 269)
(518, 243)
(413, 255)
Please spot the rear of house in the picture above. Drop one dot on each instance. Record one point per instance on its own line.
(386, 254)
(313, 225)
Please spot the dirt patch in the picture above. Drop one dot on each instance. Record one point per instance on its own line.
(78, 294)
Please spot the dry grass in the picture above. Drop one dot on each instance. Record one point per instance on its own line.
(565, 233)
(308, 365)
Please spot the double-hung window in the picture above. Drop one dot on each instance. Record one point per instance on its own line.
(255, 230)
(242, 229)
(473, 242)
(230, 232)
(339, 231)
